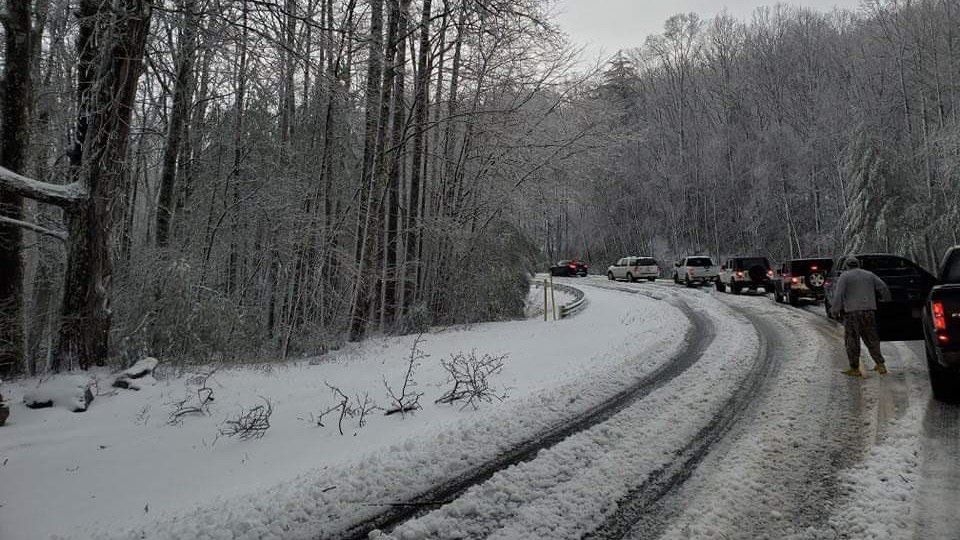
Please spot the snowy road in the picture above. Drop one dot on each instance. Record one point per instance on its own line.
(657, 412)
(779, 446)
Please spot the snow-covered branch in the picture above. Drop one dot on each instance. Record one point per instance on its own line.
(56, 194)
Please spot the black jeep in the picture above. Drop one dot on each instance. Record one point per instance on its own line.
(802, 279)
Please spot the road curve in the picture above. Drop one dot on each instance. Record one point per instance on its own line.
(697, 339)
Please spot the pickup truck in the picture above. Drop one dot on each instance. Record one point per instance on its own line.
(900, 319)
(941, 325)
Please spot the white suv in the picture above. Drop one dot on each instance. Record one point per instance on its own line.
(695, 270)
(634, 269)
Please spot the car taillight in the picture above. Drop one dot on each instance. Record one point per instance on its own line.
(770, 273)
(939, 322)
(739, 274)
(573, 266)
(813, 268)
(794, 280)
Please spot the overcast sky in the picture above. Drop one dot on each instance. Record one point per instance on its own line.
(604, 26)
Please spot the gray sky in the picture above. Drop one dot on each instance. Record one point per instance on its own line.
(604, 26)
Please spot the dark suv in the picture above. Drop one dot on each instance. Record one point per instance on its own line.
(572, 268)
(801, 279)
(741, 273)
(901, 318)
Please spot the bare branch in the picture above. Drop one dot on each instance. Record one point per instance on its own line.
(59, 195)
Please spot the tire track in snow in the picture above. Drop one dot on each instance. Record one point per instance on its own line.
(700, 335)
(644, 509)
(776, 474)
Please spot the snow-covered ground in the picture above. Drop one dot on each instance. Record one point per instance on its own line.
(567, 491)
(120, 467)
(815, 455)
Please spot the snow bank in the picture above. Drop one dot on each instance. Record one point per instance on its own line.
(301, 479)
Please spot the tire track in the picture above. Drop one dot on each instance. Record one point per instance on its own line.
(700, 335)
(643, 509)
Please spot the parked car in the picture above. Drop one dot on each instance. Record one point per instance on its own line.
(634, 269)
(941, 323)
(900, 319)
(695, 270)
(740, 273)
(572, 268)
(801, 279)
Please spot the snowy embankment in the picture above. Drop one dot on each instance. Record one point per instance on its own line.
(121, 466)
(571, 488)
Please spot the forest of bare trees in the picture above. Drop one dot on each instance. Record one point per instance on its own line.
(795, 133)
(249, 179)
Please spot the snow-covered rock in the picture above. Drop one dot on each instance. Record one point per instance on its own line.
(137, 371)
(73, 392)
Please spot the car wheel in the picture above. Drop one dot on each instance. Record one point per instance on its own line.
(734, 288)
(610, 276)
(944, 383)
(794, 299)
(720, 286)
(630, 278)
(652, 279)
(686, 282)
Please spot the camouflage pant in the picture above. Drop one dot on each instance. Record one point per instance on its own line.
(861, 325)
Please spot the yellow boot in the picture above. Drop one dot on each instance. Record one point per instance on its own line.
(880, 368)
(853, 372)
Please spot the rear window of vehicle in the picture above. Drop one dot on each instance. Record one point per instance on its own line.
(699, 261)
(753, 261)
(805, 267)
(881, 262)
(646, 261)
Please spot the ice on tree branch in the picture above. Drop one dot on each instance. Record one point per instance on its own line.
(56, 194)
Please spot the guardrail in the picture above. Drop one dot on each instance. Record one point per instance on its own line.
(573, 307)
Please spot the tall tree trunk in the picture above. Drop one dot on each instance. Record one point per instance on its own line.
(14, 141)
(392, 275)
(182, 101)
(360, 295)
(421, 93)
(85, 313)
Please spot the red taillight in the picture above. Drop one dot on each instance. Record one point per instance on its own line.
(739, 274)
(813, 268)
(794, 280)
(770, 273)
(939, 320)
(943, 339)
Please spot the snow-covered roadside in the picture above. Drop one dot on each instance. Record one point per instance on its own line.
(570, 488)
(119, 466)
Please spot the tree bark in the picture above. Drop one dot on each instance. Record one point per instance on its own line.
(14, 141)
(85, 312)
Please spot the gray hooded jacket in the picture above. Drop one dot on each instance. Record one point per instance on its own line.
(856, 290)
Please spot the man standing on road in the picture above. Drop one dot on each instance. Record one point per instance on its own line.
(855, 300)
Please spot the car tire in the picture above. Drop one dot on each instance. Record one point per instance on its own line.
(734, 288)
(686, 282)
(944, 383)
(652, 279)
(610, 276)
(794, 299)
(630, 278)
(720, 286)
